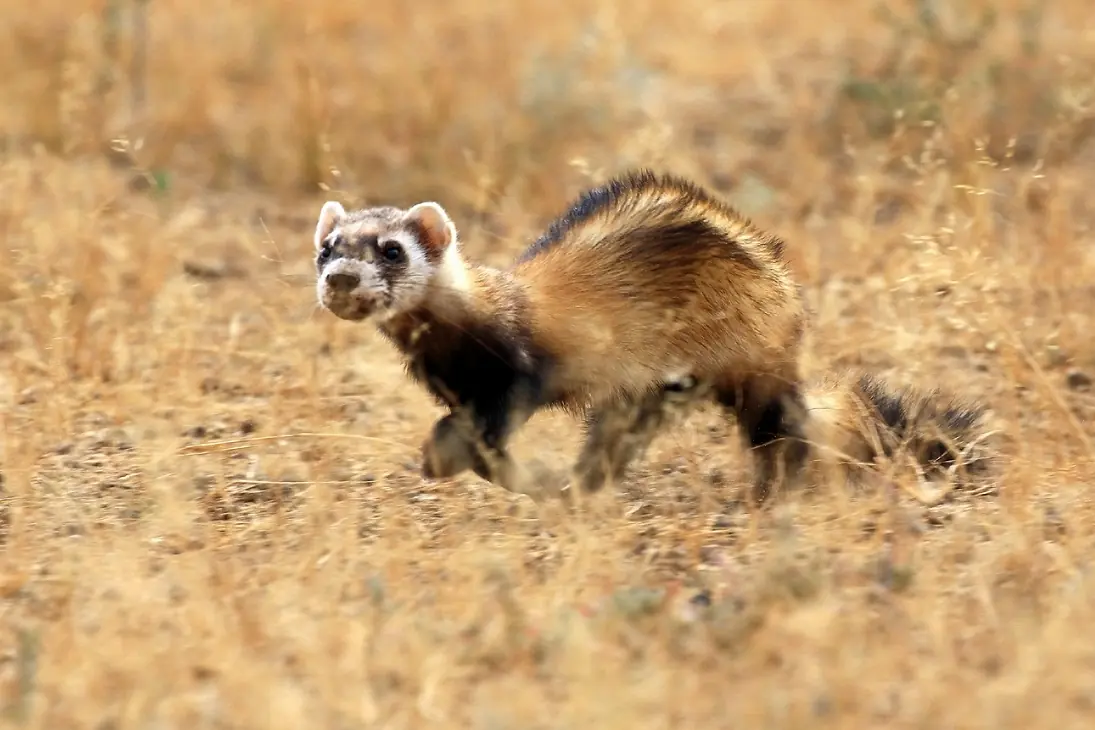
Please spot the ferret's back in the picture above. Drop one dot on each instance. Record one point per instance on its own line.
(647, 275)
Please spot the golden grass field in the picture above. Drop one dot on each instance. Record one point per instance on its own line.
(212, 515)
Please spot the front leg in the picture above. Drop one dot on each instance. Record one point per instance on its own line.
(449, 450)
(476, 440)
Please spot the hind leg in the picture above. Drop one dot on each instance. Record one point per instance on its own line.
(771, 413)
(618, 432)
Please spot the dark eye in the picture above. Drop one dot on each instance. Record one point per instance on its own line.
(392, 251)
(325, 251)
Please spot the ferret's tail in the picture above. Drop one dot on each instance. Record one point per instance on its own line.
(856, 418)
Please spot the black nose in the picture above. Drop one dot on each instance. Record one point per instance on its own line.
(343, 282)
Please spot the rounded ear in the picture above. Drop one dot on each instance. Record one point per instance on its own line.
(437, 227)
(330, 215)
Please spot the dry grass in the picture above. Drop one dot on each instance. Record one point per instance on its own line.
(211, 511)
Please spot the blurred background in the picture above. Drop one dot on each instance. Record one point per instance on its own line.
(503, 109)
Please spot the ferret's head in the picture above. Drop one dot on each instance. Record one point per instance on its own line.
(382, 262)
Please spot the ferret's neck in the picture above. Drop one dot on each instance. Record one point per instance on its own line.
(463, 298)
(455, 274)
(463, 290)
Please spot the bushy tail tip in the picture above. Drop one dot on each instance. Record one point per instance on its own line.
(858, 417)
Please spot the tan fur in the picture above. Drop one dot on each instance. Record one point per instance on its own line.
(593, 299)
(839, 427)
